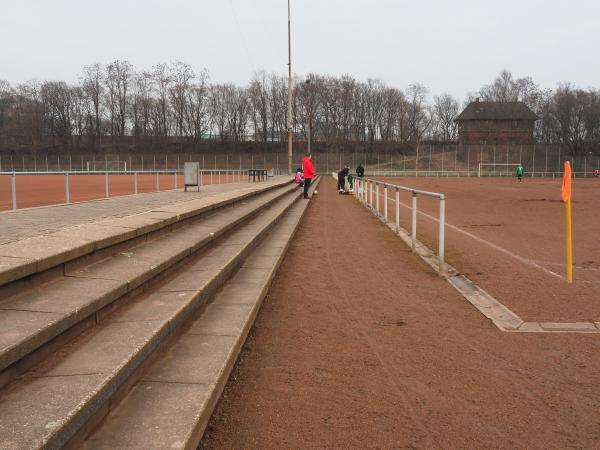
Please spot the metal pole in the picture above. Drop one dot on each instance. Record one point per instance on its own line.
(68, 197)
(442, 236)
(413, 228)
(289, 111)
(135, 182)
(397, 210)
(385, 202)
(13, 187)
(105, 184)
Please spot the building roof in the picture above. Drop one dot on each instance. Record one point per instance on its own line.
(497, 111)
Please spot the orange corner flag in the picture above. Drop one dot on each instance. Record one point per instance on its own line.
(566, 183)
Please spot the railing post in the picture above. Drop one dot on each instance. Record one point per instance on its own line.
(211, 176)
(135, 182)
(67, 194)
(442, 236)
(413, 228)
(385, 202)
(175, 175)
(157, 182)
(371, 195)
(13, 188)
(219, 177)
(397, 210)
(377, 198)
(105, 184)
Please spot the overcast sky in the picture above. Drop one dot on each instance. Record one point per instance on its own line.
(449, 46)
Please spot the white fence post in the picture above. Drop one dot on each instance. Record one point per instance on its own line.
(442, 236)
(385, 202)
(105, 184)
(414, 221)
(157, 182)
(13, 188)
(135, 182)
(377, 198)
(67, 194)
(397, 210)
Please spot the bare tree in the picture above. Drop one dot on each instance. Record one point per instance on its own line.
(162, 79)
(182, 76)
(445, 110)
(91, 81)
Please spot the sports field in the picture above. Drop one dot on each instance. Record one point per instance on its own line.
(509, 238)
(43, 190)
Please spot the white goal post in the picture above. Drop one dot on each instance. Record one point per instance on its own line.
(104, 166)
(494, 165)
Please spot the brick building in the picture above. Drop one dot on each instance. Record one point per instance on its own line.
(496, 123)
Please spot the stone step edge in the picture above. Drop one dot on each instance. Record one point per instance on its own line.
(117, 231)
(203, 415)
(49, 339)
(78, 423)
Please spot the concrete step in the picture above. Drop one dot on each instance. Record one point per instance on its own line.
(62, 400)
(172, 403)
(28, 260)
(38, 321)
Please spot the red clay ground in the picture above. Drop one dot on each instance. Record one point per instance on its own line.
(528, 221)
(42, 190)
(360, 345)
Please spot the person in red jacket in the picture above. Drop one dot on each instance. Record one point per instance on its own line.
(309, 172)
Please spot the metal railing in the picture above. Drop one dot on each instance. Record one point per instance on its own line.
(363, 189)
(215, 176)
(472, 173)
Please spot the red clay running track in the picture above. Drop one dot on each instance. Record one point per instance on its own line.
(43, 190)
(360, 345)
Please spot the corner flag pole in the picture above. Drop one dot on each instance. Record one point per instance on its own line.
(566, 197)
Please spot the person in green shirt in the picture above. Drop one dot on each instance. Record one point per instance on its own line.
(520, 171)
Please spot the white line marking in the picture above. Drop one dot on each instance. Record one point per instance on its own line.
(521, 259)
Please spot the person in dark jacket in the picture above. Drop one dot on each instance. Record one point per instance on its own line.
(342, 174)
(360, 171)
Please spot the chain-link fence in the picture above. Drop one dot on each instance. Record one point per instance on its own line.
(425, 159)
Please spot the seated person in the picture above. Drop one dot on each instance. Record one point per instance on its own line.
(360, 171)
(342, 174)
(299, 177)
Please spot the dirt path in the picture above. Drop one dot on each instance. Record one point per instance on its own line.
(380, 352)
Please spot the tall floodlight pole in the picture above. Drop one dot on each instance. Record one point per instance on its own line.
(289, 112)
(309, 114)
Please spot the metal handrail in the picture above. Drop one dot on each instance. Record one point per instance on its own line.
(365, 195)
(106, 173)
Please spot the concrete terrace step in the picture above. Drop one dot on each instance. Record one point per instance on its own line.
(25, 258)
(72, 302)
(60, 401)
(172, 403)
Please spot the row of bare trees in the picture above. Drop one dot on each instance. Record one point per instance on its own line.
(115, 103)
